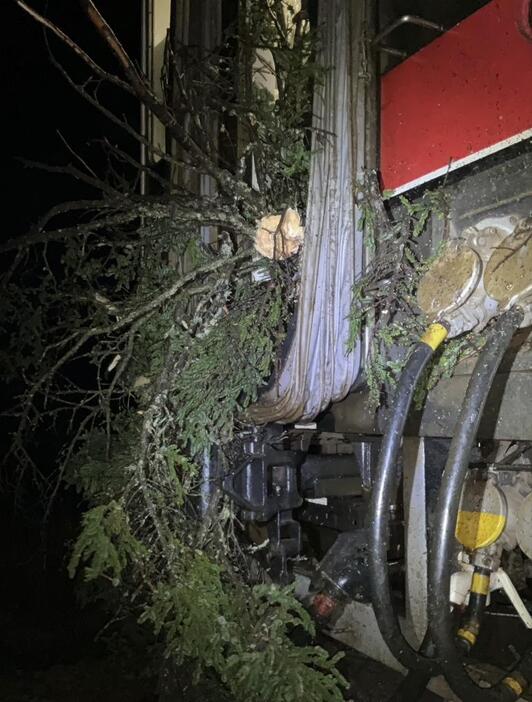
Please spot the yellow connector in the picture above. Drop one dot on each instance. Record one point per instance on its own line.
(514, 685)
(435, 335)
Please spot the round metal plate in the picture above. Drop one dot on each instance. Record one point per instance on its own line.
(509, 271)
(449, 281)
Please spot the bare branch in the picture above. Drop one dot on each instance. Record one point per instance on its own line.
(171, 292)
(76, 155)
(39, 236)
(66, 460)
(138, 313)
(160, 109)
(112, 42)
(75, 47)
(194, 211)
(139, 86)
(121, 155)
(122, 366)
(76, 173)
(122, 124)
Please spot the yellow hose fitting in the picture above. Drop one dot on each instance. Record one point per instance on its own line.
(467, 635)
(480, 584)
(514, 685)
(435, 335)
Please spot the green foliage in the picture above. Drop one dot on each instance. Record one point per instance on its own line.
(242, 634)
(226, 365)
(179, 466)
(273, 667)
(142, 346)
(444, 363)
(106, 544)
(278, 130)
(193, 611)
(95, 474)
(367, 221)
(383, 298)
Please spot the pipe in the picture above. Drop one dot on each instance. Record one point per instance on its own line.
(407, 19)
(381, 497)
(467, 634)
(443, 542)
(412, 687)
(414, 684)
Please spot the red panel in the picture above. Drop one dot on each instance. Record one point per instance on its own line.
(466, 94)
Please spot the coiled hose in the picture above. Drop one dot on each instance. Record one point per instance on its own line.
(442, 542)
(381, 496)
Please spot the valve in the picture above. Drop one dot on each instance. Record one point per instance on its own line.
(494, 515)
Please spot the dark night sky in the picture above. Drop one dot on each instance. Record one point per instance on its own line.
(37, 102)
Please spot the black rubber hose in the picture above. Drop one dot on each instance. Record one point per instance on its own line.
(467, 634)
(382, 493)
(412, 687)
(442, 542)
(414, 684)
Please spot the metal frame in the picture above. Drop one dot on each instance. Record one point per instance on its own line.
(405, 19)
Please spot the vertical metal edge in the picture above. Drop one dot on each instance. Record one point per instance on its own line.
(143, 112)
(414, 498)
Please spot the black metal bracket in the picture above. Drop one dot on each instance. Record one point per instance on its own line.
(405, 19)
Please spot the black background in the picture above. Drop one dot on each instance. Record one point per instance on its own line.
(40, 616)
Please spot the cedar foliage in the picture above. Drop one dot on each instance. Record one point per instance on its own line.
(384, 305)
(142, 346)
